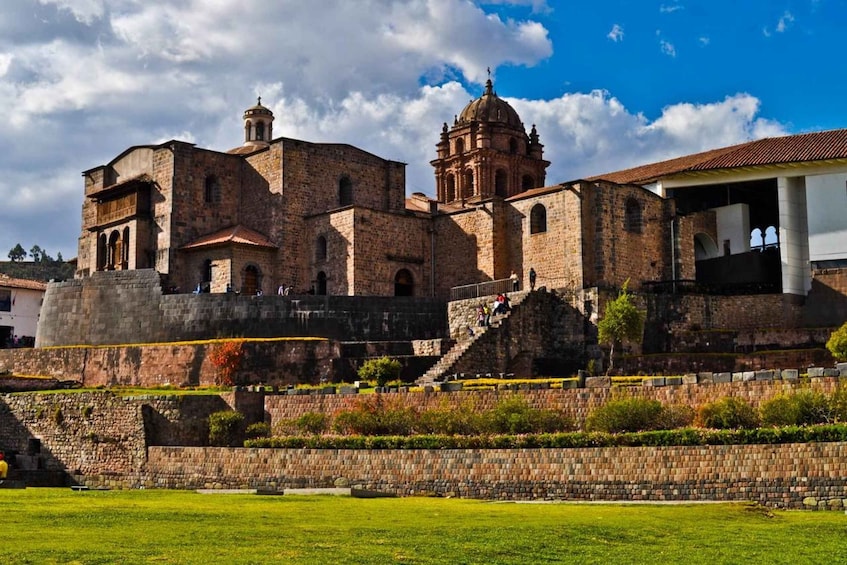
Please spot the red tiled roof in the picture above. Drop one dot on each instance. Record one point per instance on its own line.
(11, 282)
(235, 234)
(806, 147)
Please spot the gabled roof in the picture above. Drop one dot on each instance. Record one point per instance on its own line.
(802, 148)
(239, 235)
(11, 282)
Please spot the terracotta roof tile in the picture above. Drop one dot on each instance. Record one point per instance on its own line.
(806, 147)
(11, 282)
(236, 234)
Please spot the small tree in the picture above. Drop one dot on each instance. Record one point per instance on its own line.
(226, 428)
(36, 253)
(837, 343)
(381, 370)
(622, 320)
(227, 358)
(17, 253)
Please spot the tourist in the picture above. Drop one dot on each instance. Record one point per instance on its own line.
(516, 283)
(281, 290)
(531, 278)
(486, 310)
(470, 332)
(4, 467)
(480, 315)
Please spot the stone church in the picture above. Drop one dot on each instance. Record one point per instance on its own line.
(324, 218)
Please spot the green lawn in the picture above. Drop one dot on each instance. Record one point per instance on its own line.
(61, 526)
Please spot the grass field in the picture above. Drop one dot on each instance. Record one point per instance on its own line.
(60, 526)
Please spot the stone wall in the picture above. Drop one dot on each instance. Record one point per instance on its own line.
(125, 307)
(577, 403)
(267, 362)
(790, 476)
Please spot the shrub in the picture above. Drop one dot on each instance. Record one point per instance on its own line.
(676, 416)
(801, 409)
(57, 416)
(838, 404)
(375, 416)
(837, 343)
(451, 420)
(312, 423)
(380, 370)
(225, 428)
(514, 416)
(626, 415)
(727, 413)
(227, 357)
(258, 430)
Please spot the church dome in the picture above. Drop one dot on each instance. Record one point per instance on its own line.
(490, 108)
(258, 110)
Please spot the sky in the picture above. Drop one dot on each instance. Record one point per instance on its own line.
(610, 84)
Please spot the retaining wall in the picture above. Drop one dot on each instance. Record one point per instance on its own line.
(127, 307)
(790, 476)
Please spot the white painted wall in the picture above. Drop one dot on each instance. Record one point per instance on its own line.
(826, 202)
(26, 304)
(733, 224)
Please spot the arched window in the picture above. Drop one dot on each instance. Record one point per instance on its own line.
(538, 219)
(771, 237)
(513, 145)
(345, 191)
(250, 280)
(321, 286)
(125, 249)
(757, 239)
(114, 253)
(632, 216)
(211, 191)
(500, 183)
(467, 190)
(102, 252)
(460, 146)
(248, 126)
(527, 182)
(404, 283)
(451, 188)
(320, 248)
(704, 247)
(260, 131)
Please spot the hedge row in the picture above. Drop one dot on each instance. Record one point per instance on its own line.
(680, 437)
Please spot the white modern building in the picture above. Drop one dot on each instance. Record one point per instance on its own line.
(20, 304)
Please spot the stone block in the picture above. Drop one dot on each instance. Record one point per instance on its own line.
(790, 374)
(693, 379)
(598, 382)
(723, 377)
(764, 375)
(842, 369)
(704, 377)
(748, 376)
(570, 384)
(654, 381)
(815, 371)
(830, 372)
(451, 387)
(673, 381)
(348, 390)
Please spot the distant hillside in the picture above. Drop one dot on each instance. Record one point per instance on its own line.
(38, 271)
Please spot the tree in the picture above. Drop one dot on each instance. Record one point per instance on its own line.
(17, 253)
(837, 343)
(622, 320)
(381, 370)
(36, 253)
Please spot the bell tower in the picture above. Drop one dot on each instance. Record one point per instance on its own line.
(487, 152)
(258, 125)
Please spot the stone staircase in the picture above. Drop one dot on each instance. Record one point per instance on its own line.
(444, 366)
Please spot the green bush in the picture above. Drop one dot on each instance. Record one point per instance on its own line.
(837, 343)
(380, 370)
(376, 416)
(676, 416)
(226, 428)
(626, 415)
(838, 404)
(312, 423)
(451, 420)
(686, 436)
(801, 409)
(514, 416)
(257, 430)
(727, 413)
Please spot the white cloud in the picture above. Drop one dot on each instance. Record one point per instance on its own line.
(704, 40)
(84, 11)
(784, 21)
(616, 34)
(670, 8)
(667, 48)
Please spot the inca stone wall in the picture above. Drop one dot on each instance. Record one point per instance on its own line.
(126, 307)
(789, 476)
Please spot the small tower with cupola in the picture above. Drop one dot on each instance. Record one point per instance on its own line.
(258, 125)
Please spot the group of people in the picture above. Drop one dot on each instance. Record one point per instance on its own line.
(500, 306)
(14, 341)
(516, 282)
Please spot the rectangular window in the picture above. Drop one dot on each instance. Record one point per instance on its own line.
(5, 300)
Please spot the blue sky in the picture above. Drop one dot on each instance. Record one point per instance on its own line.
(610, 84)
